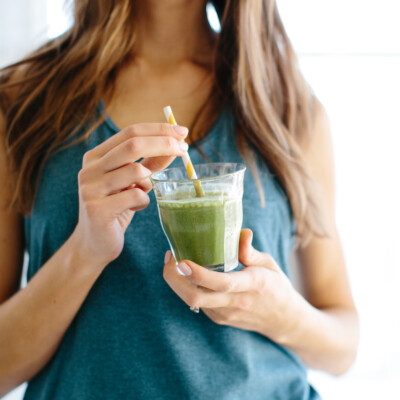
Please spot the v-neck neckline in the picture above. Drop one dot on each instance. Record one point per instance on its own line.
(113, 126)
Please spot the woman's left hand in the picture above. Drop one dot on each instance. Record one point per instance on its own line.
(258, 298)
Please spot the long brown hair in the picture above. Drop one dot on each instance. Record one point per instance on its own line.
(56, 90)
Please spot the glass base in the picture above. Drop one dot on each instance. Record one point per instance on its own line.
(227, 267)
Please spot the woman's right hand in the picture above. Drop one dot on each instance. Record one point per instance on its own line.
(113, 184)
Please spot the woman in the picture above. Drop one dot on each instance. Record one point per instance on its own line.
(81, 134)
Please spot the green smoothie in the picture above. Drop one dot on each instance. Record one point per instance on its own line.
(203, 229)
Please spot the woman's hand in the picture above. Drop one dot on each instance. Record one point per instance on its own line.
(113, 184)
(259, 298)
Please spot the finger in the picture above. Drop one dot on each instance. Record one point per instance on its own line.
(145, 129)
(245, 243)
(225, 282)
(124, 177)
(248, 255)
(142, 147)
(145, 185)
(155, 164)
(192, 295)
(131, 199)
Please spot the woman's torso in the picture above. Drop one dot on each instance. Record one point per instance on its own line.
(133, 337)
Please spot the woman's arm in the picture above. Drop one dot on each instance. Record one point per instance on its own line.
(328, 321)
(321, 327)
(111, 187)
(33, 321)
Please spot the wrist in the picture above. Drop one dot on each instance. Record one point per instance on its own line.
(296, 316)
(80, 258)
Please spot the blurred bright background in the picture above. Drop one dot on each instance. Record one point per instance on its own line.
(349, 51)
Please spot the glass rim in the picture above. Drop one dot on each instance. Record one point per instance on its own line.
(240, 168)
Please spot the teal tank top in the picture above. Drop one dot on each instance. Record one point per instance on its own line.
(133, 338)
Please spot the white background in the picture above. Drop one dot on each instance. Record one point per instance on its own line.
(349, 50)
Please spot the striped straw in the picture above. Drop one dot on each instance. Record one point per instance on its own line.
(186, 159)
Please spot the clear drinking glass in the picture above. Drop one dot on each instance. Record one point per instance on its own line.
(205, 229)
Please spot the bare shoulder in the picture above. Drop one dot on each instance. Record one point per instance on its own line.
(319, 158)
(321, 130)
(318, 149)
(320, 115)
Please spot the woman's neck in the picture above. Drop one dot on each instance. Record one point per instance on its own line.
(173, 31)
(171, 64)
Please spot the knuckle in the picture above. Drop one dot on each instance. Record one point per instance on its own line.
(227, 285)
(258, 283)
(107, 184)
(243, 303)
(261, 286)
(193, 300)
(84, 180)
(170, 143)
(165, 129)
(87, 157)
(131, 131)
(82, 174)
(132, 145)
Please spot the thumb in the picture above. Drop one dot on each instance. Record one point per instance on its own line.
(248, 255)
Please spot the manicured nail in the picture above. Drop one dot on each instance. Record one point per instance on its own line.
(183, 146)
(167, 257)
(181, 130)
(184, 269)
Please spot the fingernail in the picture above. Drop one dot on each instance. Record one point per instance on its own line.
(167, 257)
(183, 146)
(181, 130)
(184, 269)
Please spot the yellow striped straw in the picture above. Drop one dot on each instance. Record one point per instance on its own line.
(186, 159)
